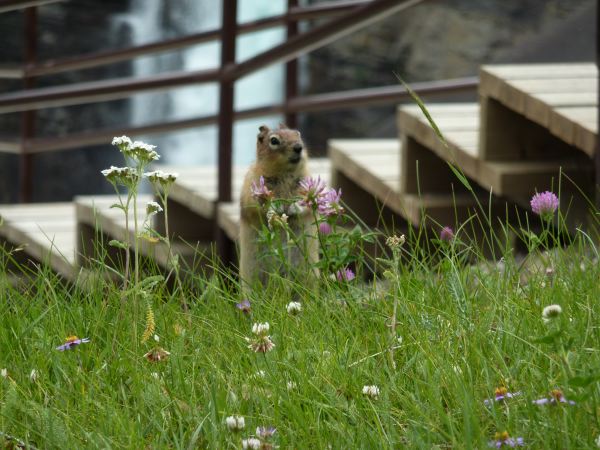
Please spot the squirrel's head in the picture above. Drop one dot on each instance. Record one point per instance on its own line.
(281, 149)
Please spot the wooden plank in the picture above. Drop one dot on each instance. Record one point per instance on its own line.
(47, 230)
(543, 70)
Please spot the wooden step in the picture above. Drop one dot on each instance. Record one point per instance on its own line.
(46, 230)
(515, 179)
(95, 213)
(374, 166)
(561, 98)
(229, 212)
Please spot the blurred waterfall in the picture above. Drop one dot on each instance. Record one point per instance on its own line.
(154, 20)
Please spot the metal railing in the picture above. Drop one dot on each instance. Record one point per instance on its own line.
(347, 16)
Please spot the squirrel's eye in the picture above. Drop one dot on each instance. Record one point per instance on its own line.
(274, 141)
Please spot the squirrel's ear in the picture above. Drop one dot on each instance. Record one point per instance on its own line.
(283, 126)
(263, 131)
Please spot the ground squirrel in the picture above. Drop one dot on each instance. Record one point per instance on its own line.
(281, 160)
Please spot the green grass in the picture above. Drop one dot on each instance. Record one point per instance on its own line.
(464, 330)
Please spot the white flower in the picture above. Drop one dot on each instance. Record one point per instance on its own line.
(260, 374)
(260, 328)
(598, 441)
(251, 443)
(4, 373)
(121, 141)
(291, 385)
(371, 391)
(155, 375)
(294, 307)
(163, 178)
(156, 338)
(235, 423)
(33, 375)
(152, 208)
(551, 312)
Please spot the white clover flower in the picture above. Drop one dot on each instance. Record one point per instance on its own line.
(294, 307)
(551, 312)
(155, 375)
(4, 373)
(156, 338)
(291, 385)
(33, 375)
(260, 328)
(152, 208)
(371, 391)
(260, 374)
(235, 423)
(251, 443)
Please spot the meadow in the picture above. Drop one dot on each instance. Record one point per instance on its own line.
(444, 348)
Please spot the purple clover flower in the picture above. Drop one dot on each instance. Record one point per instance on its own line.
(324, 228)
(244, 306)
(312, 191)
(500, 395)
(260, 191)
(556, 397)
(504, 440)
(330, 203)
(544, 204)
(447, 234)
(71, 342)
(345, 274)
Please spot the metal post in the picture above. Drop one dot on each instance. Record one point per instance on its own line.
(226, 113)
(27, 117)
(291, 69)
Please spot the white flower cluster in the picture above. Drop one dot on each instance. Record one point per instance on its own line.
(551, 312)
(120, 174)
(138, 150)
(251, 443)
(235, 423)
(260, 328)
(294, 307)
(160, 177)
(4, 373)
(261, 342)
(274, 219)
(152, 208)
(371, 391)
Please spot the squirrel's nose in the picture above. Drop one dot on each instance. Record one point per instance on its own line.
(297, 148)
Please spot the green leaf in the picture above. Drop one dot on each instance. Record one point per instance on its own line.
(461, 177)
(118, 244)
(117, 206)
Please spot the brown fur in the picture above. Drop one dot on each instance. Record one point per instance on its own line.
(276, 163)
